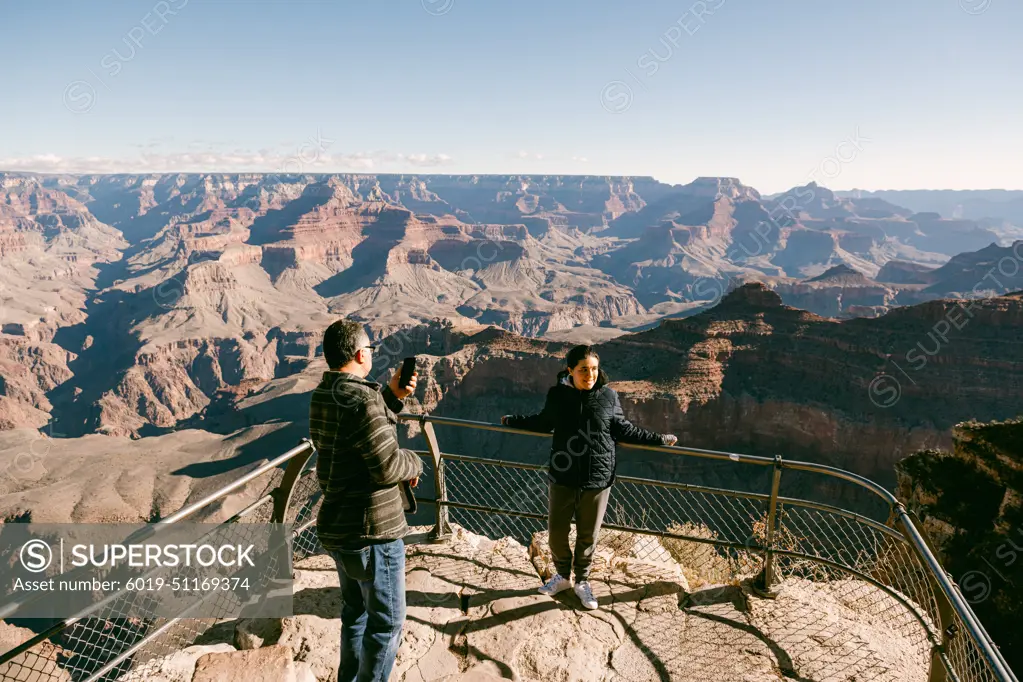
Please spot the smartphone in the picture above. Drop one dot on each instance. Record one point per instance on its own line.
(408, 366)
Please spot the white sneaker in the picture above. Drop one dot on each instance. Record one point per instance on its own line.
(555, 585)
(585, 594)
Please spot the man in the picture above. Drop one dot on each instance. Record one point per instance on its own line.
(361, 522)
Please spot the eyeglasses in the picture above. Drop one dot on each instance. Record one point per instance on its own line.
(371, 346)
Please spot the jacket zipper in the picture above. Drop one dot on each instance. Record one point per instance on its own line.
(579, 469)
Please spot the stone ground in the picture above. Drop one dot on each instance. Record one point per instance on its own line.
(474, 616)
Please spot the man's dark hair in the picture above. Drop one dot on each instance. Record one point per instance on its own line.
(341, 341)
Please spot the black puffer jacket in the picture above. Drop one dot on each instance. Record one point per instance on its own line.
(586, 426)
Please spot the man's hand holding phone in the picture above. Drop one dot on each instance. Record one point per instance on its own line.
(407, 375)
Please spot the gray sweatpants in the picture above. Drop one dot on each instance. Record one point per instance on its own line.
(587, 507)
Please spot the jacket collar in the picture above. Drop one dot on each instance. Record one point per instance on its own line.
(332, 377)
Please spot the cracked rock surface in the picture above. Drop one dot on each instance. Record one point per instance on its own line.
(474, 615)
(650, 625)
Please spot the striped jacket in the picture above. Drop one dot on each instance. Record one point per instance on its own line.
(359, 464)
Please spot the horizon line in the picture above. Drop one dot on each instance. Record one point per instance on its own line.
(519, 175)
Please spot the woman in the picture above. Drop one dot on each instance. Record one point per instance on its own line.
(587, 420)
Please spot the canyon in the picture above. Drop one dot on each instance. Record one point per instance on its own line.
(159, 335)
(129, 303)
(750, 375)
(968, 498)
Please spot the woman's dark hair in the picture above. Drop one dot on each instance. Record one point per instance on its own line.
(577, 355)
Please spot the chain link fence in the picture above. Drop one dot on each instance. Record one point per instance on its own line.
(861, 552)
(721, 537)
(104, 645)
(868, 559)
(964, 658)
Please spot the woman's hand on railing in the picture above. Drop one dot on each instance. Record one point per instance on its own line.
(504, 420)
(670, 439)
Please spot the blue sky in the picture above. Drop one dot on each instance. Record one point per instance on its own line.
(873, 94)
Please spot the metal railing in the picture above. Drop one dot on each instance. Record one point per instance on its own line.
(761, 535)
(874, 555)
(103, 643)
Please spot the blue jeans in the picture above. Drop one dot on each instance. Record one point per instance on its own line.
(373, 612)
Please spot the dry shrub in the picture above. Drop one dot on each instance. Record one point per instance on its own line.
(701, 563)
(617, 541)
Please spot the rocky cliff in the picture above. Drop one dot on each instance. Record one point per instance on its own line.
(128, 302)
(841, 291)
(750, 375)
(970, 499)
(474, 616)
(51, 252)
(109, 479)
(978, 204)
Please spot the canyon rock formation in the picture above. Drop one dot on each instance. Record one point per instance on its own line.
(970, 500)
(130, 303)
(750, 375)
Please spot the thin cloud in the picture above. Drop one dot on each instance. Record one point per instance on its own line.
(303, 160)
(426, 160)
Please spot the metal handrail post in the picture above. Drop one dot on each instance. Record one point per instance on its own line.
(282, 494)
(442, 529)
(945, 617)
(772, 521)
